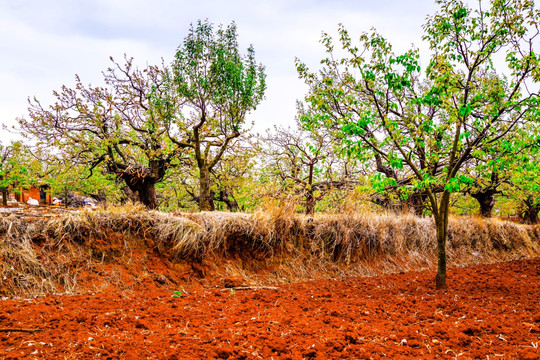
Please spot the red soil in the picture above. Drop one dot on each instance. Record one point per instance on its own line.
(488, 312)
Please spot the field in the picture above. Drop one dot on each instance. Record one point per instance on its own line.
(489, 312)
(129, 284)
(189, 231)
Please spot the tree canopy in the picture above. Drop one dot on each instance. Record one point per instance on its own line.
(219, 86)
(120, 127)
(307, 163)
(146, 122)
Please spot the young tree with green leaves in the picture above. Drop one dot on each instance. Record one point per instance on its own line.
(218, 86)
(432, 126)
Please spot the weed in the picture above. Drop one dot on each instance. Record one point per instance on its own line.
(177, 294)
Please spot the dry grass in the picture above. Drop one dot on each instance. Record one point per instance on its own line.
(270, 246)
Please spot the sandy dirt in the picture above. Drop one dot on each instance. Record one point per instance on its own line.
(489, 312)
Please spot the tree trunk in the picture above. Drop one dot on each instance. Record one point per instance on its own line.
(4, 197)
(441, 223)
(129, 195)
(147, 194)
(205, 196)
(530, 213)
(440, 279)
(144, 187)
(232, 204)
(486, 200)
(531, 216)
(310, 202)
(142, 180)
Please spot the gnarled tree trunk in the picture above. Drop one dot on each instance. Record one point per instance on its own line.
(486, 200)
(144, 188)
(142, 181)
(232, 204)
(530, 211)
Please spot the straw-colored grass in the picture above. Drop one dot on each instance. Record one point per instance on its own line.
(49, 254)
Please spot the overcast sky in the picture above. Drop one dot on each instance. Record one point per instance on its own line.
(43, 44)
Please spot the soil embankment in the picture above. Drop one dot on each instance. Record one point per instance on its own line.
(129, 248)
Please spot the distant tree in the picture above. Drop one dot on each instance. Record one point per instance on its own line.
(145, 121)
(529, 193)
(18, 168)
(488, 176)
(433, 127)
(232, 176)
(66, 178)
(525, 182)
(307, 163)
(8, 165)
(395, 189)
(123, 126)
(485, 193)
(219, 87)
(495, 166)
(228, 179)
(5, 168)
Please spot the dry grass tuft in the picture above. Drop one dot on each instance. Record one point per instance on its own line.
(476, 240)
(272, 245)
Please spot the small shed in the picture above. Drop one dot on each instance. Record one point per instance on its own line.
(41, 193)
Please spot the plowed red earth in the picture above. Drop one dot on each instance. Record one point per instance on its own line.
(488, 312)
